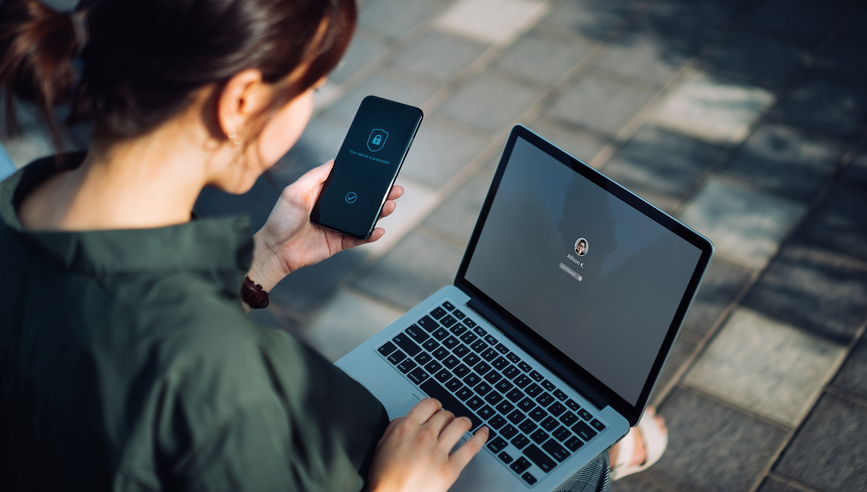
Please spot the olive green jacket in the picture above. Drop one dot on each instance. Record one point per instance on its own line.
(127, 363)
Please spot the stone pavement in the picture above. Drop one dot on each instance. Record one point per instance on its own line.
(746, 120)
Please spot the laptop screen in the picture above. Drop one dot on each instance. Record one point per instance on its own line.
(586, 271)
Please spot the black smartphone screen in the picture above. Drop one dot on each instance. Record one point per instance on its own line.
(366, 166)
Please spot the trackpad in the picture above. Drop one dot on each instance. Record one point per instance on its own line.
(403, 407)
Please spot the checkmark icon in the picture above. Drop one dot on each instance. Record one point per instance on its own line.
(351, 197)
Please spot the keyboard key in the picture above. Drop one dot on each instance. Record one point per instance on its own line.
(556, 409)
(526, 405)
(550, 424)
(502, 349)
(470, 323)
(451, 342)
(497, 445)
(448, 321)
(479, 345)
(556, 450)
(597, 425)
(489, 354)
(514, 358)
(515, 395)
(508, 431)
(561, 434)
(418, 376)
(403, 341)
(387, 349)
(516, 417)
(491, 340)
(537, 414)
(450, 403)
(522, 381)
(520, 441)
(493, 398)
(458, 329)
(423, 358)
(539, 436)
(574, 444)
(536, 376)
(472, 379)
(430, 345)
(500, 363)
(475, 402)
(496, 421)
(505, 458)
(480, 331)
(569, 418)
(440, 333)
(533, 390)
(545, 399)
(548, 385)
(417, 334)
(529, 478)
(461, 371)
(459, 314)
(573, 405)
(468, 338)
(486, 412)
(483, 388)
(438, 313)
(560, 395)
(584, 431)
(525, 367)
(505, 407)
(461, 350)
(472, 359)
(492, 377)
(511, 371)
(443, 376)
(584, 414)
(396, 357)
(454, 384)
(428, 324)
(491, 433)
(448, 305)
(451, 361)
(527, 426)
(539, 458)
(433, 367)
(503, 386)
(520, 465)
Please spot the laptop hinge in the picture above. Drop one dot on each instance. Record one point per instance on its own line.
(538, 353)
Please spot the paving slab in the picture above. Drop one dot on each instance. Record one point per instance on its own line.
(663, 161)
(839, 222)
(439, 56)
(345, 322)
(394, 18)
(582, 145)
(845, 56)
(414, 269)
(694, 20)
(773, 485)
(416, 202)
(542, 59)
(633, 483)
(438, 153)
(800, 18)
(362, 51)
(753, 58)
(853, 375)
(712, 447)
(383, 86)
(491, 21)
(306, 289)
(599, 104)
(822, 293)
(595, 19)
(745, 226)
(681, 352)
(712, 108)
(644, 57)
(857, 170)
(458, 213)
(787, 161)
(488, 102)
(765, 366)
(318, 144)
(721, 283)
(831, 107)
(828, 451)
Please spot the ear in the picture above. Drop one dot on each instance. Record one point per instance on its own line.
(241, 98)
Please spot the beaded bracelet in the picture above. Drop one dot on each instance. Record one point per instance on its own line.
(253, 294)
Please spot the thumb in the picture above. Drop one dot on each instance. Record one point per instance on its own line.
(314, 177)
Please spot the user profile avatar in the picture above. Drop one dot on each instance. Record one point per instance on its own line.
(582, 247)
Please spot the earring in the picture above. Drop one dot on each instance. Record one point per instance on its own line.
(233, 135)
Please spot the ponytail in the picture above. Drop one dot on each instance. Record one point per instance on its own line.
(37, 46)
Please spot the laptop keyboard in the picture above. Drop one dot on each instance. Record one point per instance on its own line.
(531, 422)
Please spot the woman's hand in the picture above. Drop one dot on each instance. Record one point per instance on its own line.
(413, 453)
(289, 241)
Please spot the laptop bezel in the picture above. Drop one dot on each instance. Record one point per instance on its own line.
(524, 336)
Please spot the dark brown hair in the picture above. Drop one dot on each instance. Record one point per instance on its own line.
(141, 60)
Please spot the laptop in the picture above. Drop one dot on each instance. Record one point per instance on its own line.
(566, 304)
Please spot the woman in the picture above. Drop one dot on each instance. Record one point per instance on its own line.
(126, 358)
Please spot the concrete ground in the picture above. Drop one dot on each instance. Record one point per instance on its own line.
(746, 120)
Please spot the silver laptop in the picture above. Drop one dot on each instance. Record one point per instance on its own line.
(563, 311)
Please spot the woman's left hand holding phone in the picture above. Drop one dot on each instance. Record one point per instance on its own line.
(289, 241)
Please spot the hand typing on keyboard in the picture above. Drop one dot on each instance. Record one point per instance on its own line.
(413, 453)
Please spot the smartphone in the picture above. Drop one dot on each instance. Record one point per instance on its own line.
(366, 166)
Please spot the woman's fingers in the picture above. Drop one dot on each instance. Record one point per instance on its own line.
(396, 192)
(387, 209)
(465, 453)
(453, 432)
(423, 411)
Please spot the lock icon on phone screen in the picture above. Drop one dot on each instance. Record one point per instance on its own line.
(377, 140)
